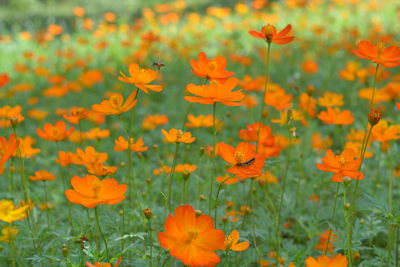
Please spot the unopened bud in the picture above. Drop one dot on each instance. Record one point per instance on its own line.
(65, 250)
(149, 181)
(155, 147)
(374, 116)
(264, 113)
(14, 121)
(347, 205)
(198, 212)
(346, 180)
(202, 197)
(185, 175)
(147, 212)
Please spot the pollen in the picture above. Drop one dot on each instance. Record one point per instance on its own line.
(239, 157)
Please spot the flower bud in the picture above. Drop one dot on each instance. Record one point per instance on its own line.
(347, 205)
(374, 116)
(147, 212)
(65, 250)
(346, 180)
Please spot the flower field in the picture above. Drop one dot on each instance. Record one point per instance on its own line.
(234, 133)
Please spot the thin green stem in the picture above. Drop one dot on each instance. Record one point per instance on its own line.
(46, 199)
(150, 241)
(100, 232)
(171, 175)
(347, 218)
(213, 161)
(278, 219)
(332, 217)
(371, 103)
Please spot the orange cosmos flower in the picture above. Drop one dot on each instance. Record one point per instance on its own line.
(191, 239)
(325, 261)
(270, 34)
(384, 132)
(308, 103)
(10, 113)
(398, 106)
(278, 98)
(150, 122)
(212, 69)
(246, 163)
(98, 264)
(121, 144)
(177, 136)
(25, 147)
(90, 191)
(64, 158)
(342, 165)
(199, 121)
(336, 116)
(115, 104)
(76, 114)
(310, 67)
(43, 176)
(185, 168)
(4, 79)
(141, 78)
(388, 57)
(7, 150)
(56, 132)
(215, 92)
(231, 242)
(89, 156)
(331, 100)
(323, 241)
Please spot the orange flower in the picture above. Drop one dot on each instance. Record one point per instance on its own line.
(115, 104)
(215, 92)
(4, 79)
(98, 264)
(342, 165)
(150, 122)
(310, 67)
(121, 144)
(43, 176)
(141, 78)
(199, 121)
(246, 163)
(8, 113)
(177, 136)
(331, 100)
(323, 241)
(25, 147)
(336, 116)
(76, 114)
(324, 261)
(7, 150)
(398, 106)
(388, 57)
(64, 158)
(97, 133)
(307, 103)
(185, 168)
(90, 191)
(231, 242)
(384, 132)
(278, 98)
(191, 239)
(270, 34)
(55, 133)
(212, 69)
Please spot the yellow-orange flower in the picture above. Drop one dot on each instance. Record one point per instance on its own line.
(215, 93)
(122, 144)
(9, 213)
(56, 132)
(43, 176)
(8, 234)
(141, 78)
(212, 69)
(191, 239)
(325, 261)
(90, 191)
(336, 116)
(115, 105)
(231, 242)
(177, 136)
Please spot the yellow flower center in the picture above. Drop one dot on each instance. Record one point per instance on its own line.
(115, 101)
(342, 161)
(192, 235)
(212, 65)
(239, 156)
(179, 134)
(380, 47)
(96, 188)
(269, 30)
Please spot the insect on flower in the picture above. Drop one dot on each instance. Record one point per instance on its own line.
(246, 163)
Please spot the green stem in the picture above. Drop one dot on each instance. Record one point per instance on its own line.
(278, 219)
(150, 241)
(171, 175)
(100, 232)
(332, 216)
(46, 199)
(213, 160)
(348, 227)
(371, 103)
